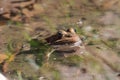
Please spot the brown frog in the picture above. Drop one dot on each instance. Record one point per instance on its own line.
(62, 37)
(66, 41)
(69, 36)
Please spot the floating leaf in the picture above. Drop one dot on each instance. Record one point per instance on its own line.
(3, 57)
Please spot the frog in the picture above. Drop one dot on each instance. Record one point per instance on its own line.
(69, 36)
(66, 42)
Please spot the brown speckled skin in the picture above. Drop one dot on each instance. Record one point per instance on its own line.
(63, 37)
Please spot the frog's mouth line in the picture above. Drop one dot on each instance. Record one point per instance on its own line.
(73, 45)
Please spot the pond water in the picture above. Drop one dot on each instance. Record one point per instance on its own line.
(97, 24)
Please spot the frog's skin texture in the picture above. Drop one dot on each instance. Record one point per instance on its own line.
(66, 42)
(64, 37)
(69, 37)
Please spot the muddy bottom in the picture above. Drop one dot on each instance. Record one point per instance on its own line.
(26, 50)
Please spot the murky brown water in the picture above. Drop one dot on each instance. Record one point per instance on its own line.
(100, 32)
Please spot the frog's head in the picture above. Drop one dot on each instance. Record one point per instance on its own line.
(61, 33)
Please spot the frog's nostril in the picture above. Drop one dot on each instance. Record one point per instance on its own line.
(71, 30)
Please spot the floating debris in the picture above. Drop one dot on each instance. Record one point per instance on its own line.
(16, 10)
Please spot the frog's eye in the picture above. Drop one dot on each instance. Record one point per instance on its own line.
(75, 30)
(59, 34)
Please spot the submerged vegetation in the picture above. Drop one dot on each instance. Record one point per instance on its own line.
(26, 55)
